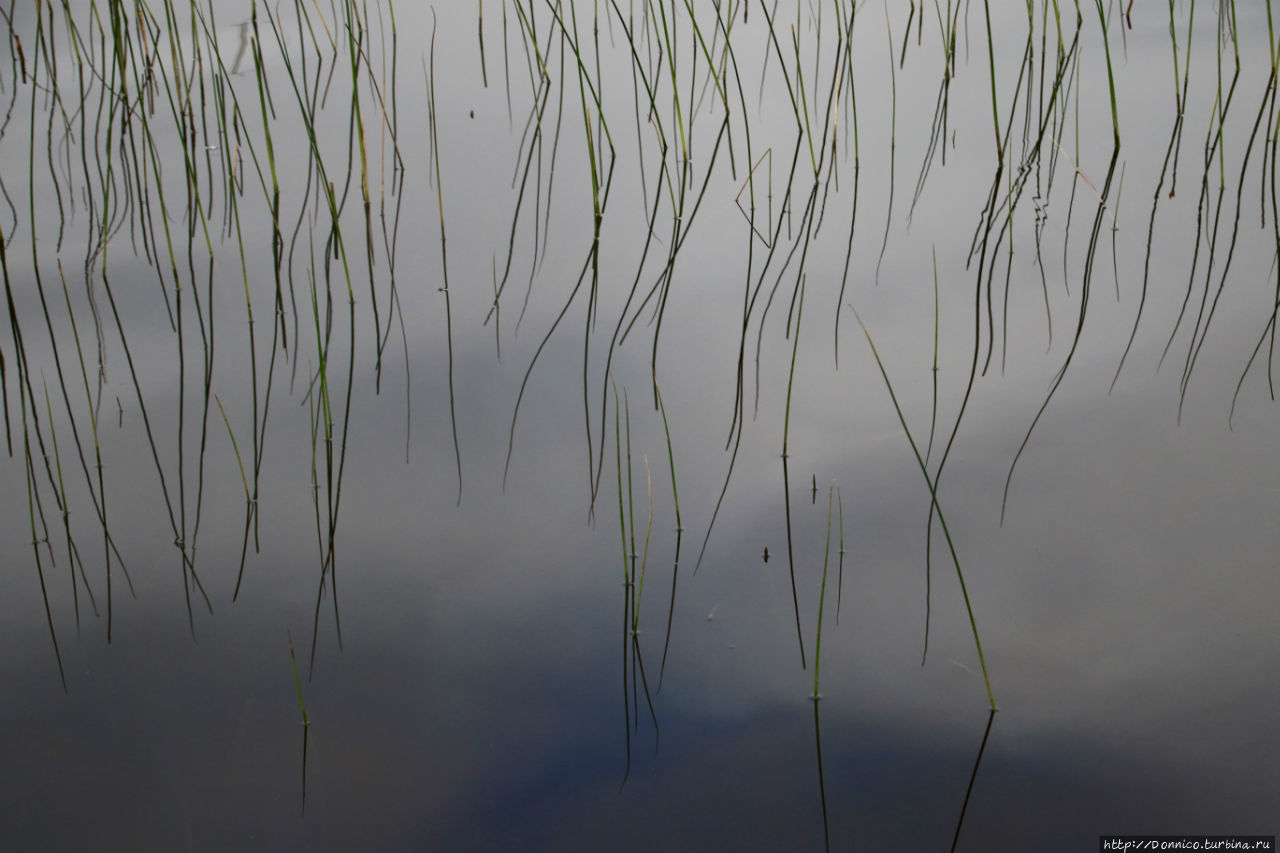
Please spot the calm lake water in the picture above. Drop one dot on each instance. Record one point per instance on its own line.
(523, 652)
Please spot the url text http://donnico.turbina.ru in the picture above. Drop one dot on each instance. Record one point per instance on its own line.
(1126, 843)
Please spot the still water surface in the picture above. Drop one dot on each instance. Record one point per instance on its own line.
(485, 689)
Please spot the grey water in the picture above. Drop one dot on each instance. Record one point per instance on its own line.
(476, 682)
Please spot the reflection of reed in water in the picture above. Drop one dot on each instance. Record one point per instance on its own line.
(156, 130)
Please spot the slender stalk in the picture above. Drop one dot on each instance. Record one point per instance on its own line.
(933, 495)
(822, 595)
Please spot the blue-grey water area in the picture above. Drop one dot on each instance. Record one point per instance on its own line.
(492, 676)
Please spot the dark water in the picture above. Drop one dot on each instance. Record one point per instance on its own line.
(488, 693)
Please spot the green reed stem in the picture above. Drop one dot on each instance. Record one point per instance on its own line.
(644, 552)
(791, 377)
(671, 454)
(297, 682)
(1111, 79)
(933, 494)
(822, 596)
(840, 555)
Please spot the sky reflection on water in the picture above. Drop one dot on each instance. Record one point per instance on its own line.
(484, 696)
